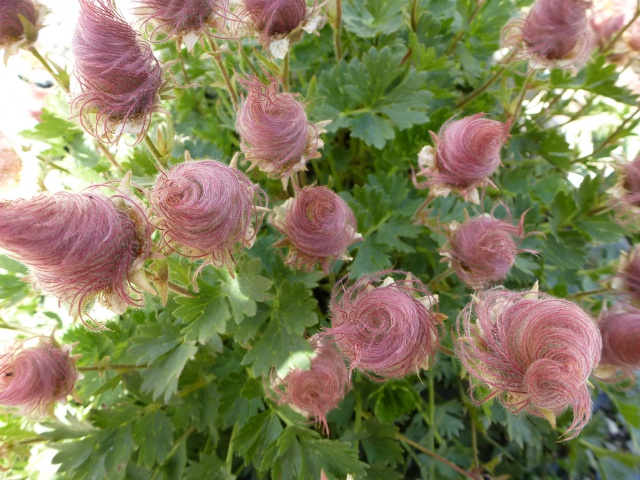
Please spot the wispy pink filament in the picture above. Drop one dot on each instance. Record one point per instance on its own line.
(32, 379)
(535, 352)
(179, 17)
(77, 245)
(275, 17)
(209, 207)
(319, 227)
(319, 390)
(273, 128)
(384, 330)
(118, 74)
(621, 338)
(11, 28)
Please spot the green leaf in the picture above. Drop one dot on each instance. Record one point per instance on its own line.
(368, 18)
(393, 399)
(282, 344)
(257, 434)
(163, 377)
(246, 289)
(448, 419)
(209, 466)
(380, 444)
(240, 399)
(153, 434)
(208, 314)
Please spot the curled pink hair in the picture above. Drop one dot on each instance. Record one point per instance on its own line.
(118, 74)
(483, 249)
(207, 208)
(319, 227)
(466, 152)
(620, 330)
(381, 326)
(275, 134)
(555, 32)
(534, 352)
(273, 18)
(317, 391)
(79, 246)
(33, 379)
(178, 18)
(11, 28)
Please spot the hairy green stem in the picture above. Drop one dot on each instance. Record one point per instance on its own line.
(98, 368)
(620, 32)
(521, 96)
(285, 73)
(48, 68)
(160, 164)
(229, 460)
(224, 72)
(482, 88)
(610, 138)
(109, 156)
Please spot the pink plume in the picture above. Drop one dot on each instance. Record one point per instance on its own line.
(11, 28)
(273, 18)
(620, 330)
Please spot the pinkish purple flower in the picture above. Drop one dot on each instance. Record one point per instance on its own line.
(183, 18)
(554, 33)
(319, 226)
(33, 379)
(275, 134)
(80, 246)
(628, 277)
(117, 72)
(207, 209)
(275, 18)
(482, 250)
(533, 351)
(466, 152)
(317, 391)
(12, 31)
(384, 327)
(620, 330)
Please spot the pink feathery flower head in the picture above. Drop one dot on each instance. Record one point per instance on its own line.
(274, 18)
(384, 327)
(80, 246)
(319, 390)
(275, 134)
(184, 19)
(555, 33)
(620, 330)
(207, 209)
(482, 250)
(10, 164)
(628, 277)
(119, 77)
(34, 378)
(605, 24)
(465, 153)
(533, 351)
(319, 226)
(13, 34)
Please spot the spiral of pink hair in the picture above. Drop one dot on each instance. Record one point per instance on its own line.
(11, 28)
(275, 17)
(381, 328)
(118, 74)
(483, 249)
(319, 226)
(178, 17)
(273, 128)
(535, 352)
(209, 207)
(32, 379)
(620, 330)
(319, 390)
(77, 245)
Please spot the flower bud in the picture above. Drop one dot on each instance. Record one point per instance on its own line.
(80, 246)
(275, 134)
(482, 250)
(620, 330)
(317, 391)
(273, 18)
(13, 34)
(118, 74)
(319, 227)
(188, 19)
(533, 351)
(466, 152)
(384, 327)
(207, 209)
(555, 33)
(33, 379)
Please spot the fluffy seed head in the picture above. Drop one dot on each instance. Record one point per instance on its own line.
(620, 330)
(207, 209)
(319, 227)
(11, 28)
(117, 72)
(79, 246)
(533, 351)
(33, 379)
(273, 127)
(10, 164)
(554, 33)
(629, 273)
(483, 249)
(179, 18)
(273, 18)
(317, 391)
(384, 327)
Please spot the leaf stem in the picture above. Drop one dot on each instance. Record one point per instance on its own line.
(432, 454)
(223, 71)
(154, 152)
(338, 30)
(458, 37)
(229, 460)
(285, 73)
(587, 293)
(447, 351)
(620, 32)
(481, 89)
(414, 15)
(521, 96)
(610, 138)
(109, 156)
(100, 368)
(438, 278)
(48, 68)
